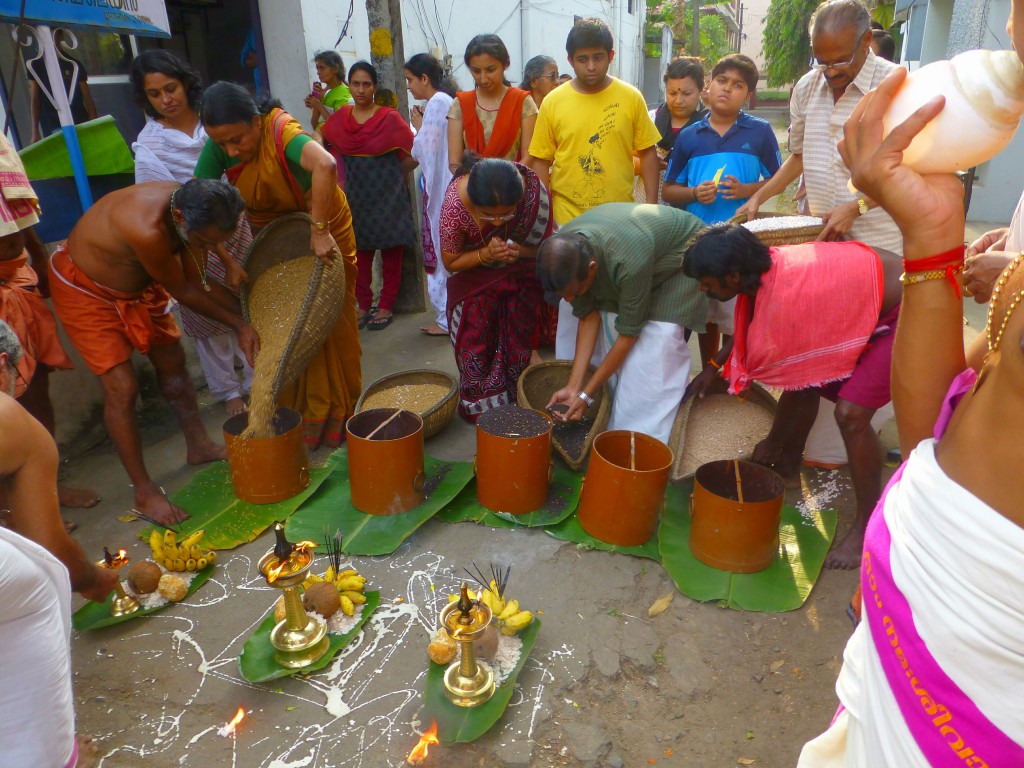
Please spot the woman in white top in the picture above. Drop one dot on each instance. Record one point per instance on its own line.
(423, 75)
(169, 91)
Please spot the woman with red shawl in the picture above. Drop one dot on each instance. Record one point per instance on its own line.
(375, 145)
(492, 221)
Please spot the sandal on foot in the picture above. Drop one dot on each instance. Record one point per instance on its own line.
(380, 323)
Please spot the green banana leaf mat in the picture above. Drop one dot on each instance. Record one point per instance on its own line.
(228, 521)
(563, 496)
(257, 662)
(464, 724)
(571, 530)
(804, 541)
(374, 534)
(97, 615)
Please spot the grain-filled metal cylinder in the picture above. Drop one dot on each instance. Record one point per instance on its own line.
(513, 459)
(729, 534)
(269, 469)
(624, 489)
(385, 461)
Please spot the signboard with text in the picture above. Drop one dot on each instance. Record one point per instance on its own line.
(127, 17)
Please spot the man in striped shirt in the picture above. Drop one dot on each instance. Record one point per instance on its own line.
(843, 70)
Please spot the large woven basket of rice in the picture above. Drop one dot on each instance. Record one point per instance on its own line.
(431, 394)
(304, 301)
(719, 427)
(536, 386)
(781, 228)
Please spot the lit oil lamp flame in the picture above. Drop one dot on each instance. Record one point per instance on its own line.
(419, 752)
(274, 572)
(115, 561)
(305, 546)
(228, 729)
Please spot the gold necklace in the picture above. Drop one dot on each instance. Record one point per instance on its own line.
(993, 343)
(199, 268)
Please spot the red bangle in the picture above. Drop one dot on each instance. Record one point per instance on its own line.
(715, 365)
(951, 262)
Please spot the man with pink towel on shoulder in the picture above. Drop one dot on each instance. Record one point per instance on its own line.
(813, 319)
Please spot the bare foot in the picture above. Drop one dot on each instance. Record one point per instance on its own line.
(433, 330)
(206, 452)
(69, 525)
(235, 406)
(158, 508)
(535, 357)
(846, 554)
(88, 751)
(77, 498)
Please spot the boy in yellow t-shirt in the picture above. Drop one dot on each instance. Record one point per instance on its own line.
(590, 128)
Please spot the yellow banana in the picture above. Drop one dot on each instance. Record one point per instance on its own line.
(159, 554)
(212, 555)
(518, 621)
(190, 564)
(201, 563)
(193, 538)
(347, 606)
(351, 584)
(179, 564)
(195, 552)
(156, 540)
(169, 563)
(349, 572)
(511, 608)
(170, 538)
(329, 574)
(311, 579)
(356, 597)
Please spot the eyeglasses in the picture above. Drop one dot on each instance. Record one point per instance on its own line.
(822, 66)
(552, 76)
(499, 219)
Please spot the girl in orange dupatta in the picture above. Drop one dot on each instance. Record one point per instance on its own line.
(279, 169)
(494, 119)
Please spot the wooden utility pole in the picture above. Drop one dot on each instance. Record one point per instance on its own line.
(387, 55)
(695, 40)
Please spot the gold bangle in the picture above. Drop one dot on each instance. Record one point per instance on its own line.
(920, 277)
(480, 256)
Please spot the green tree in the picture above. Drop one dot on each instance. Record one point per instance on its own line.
(787, 46)
(678, 16)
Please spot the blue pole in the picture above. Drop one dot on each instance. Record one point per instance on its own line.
(78, 166)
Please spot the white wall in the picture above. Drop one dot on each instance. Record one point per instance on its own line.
(754, 12)
(294, 30)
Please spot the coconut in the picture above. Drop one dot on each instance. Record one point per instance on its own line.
(144, 576)
(172, 587)
(322, 598)
(486, 645)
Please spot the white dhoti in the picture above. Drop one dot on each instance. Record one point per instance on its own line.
(437, 291)
(648, 387)
(959, 566)
(37, 716)
(217, 356)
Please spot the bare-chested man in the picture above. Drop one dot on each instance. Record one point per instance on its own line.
(112, 283)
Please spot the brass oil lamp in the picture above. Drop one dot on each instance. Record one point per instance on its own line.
(466, 682)
(300, 639)
(123, 602)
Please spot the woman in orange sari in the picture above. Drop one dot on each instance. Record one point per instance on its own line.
(279, 169)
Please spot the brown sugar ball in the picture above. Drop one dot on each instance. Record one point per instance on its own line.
(172, 587)
(322, 598)
(144, 576)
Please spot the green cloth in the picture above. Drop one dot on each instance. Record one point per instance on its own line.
(338, 96)
(103, 149)
(213, 161)
(639, 254)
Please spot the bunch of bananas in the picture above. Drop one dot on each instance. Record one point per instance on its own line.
(510, 619)
(186, 556)
(349, 583)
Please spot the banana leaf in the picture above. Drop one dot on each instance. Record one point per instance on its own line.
(228, 521)
(257, 662)
(464, 724)
(374, 534)
(804, 542)
(571, 530)
(97, 615)
(563, 497)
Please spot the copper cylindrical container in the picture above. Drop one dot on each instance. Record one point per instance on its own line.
(267, 469)
(513, 459)
(624, 489)
(385, 465)
(729, 534)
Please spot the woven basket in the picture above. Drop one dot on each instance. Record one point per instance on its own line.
(794, 236)
(757, 396)
(437, 416)
(282, 240)
(541, 380)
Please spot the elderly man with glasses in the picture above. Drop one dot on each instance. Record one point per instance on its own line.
(843, 70)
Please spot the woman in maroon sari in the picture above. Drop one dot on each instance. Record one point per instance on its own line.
(492, 220)
(375, 146)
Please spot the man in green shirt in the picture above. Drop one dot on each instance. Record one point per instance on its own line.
(620, 266)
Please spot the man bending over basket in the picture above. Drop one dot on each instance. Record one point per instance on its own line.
(813, 319)
(620, 266)
(112, 284)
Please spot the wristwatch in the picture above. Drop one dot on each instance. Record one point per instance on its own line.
(320, 225)
(862, 205)
(585, 398)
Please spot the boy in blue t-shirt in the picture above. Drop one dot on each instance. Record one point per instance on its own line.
(717, 163)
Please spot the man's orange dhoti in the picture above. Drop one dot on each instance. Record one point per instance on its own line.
(23, 308)
(104, 324)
